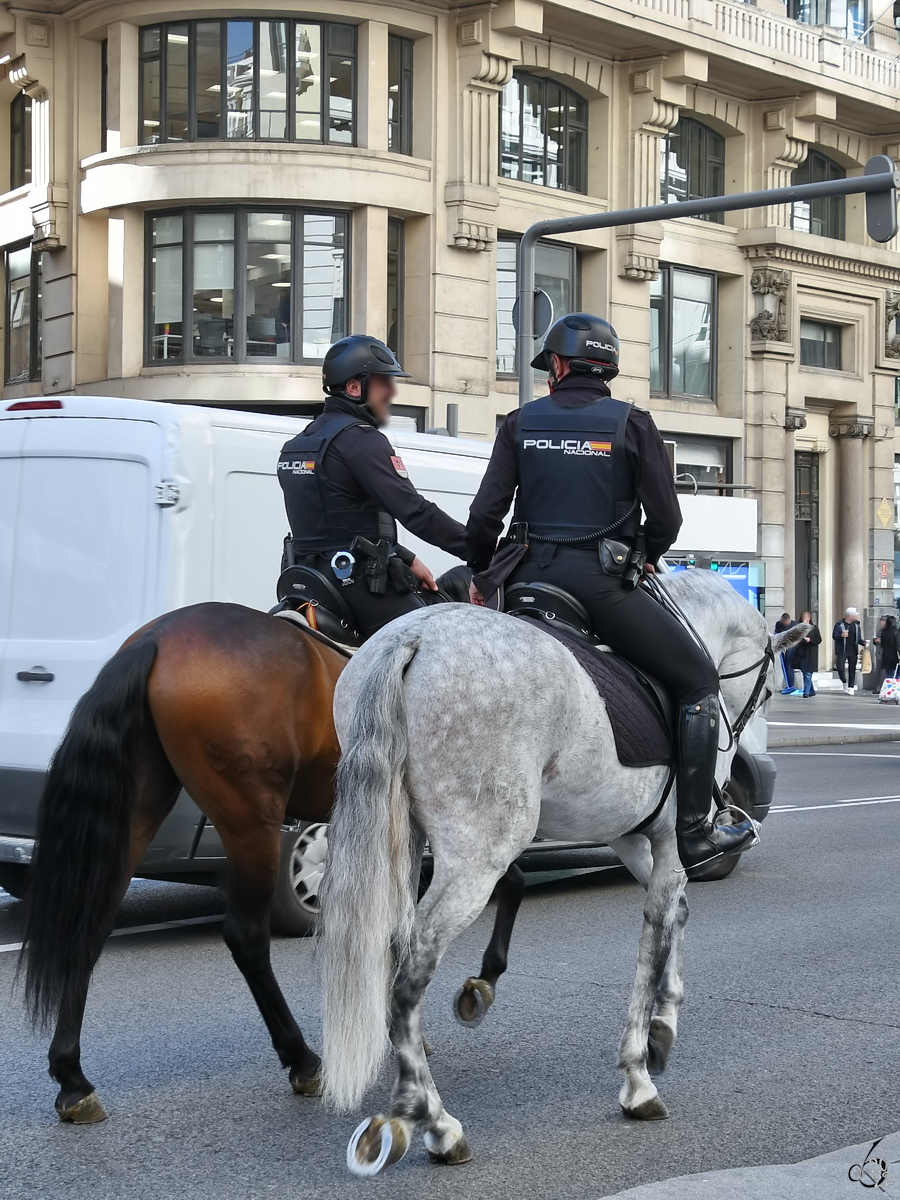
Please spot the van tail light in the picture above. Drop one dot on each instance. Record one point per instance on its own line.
(30, 405)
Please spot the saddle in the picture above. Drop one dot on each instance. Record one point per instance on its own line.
(641, 710)
(305, 590)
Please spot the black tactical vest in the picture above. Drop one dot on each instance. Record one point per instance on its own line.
(574, 478)
(323, 518)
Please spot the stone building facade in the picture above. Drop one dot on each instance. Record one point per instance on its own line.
(198, 200)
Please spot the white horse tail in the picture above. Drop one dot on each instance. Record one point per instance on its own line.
(368, 902)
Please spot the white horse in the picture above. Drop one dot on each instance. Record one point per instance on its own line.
(477, 731)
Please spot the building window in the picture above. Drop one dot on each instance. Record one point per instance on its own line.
(400, 94)
(820, 345)
(701, 463)
(395, 298)
(692, 165)
(682, 333)
(20, 141)
(23, 315)
(848, 16)
(407, 418)
(245, 285)
(824, 217)
(276, 80)
(555, 272)
(543, 133)
(104, 94)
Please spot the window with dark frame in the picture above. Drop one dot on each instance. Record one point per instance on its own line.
(395, 286)
(706, 461)
(825, 217)
(245, 285)
(692, 164)
(683, 333)
(543, 133)
(555, 272)
(243, 80)
(23, 314)
(104, 93)
(820, 344)
(849, 16)
(400, 93)
(20, 141)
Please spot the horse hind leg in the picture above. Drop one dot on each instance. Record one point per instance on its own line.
(477, 994)
(457, 895)
(639, 1097)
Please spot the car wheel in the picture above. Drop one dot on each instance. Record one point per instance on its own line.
(14, 879)
(295, 904)
(736, 793)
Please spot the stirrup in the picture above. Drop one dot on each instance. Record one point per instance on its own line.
(745, 819)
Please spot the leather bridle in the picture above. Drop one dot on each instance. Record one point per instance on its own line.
(763, 665)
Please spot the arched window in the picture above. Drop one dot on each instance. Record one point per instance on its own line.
(692, 166)
(824, 217)
(543, 133)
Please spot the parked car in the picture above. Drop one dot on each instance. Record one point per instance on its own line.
(113, 511)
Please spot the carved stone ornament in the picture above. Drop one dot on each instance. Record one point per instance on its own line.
(794, 419)
(771, 322)
(851, 427)
(891, 334)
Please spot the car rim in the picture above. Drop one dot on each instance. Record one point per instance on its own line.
(308, 866)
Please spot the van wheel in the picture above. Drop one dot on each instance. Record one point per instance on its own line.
(295, 904)
(14, 879)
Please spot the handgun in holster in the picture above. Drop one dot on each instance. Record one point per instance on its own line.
(636, 561)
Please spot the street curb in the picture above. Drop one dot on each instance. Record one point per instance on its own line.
(841, 739)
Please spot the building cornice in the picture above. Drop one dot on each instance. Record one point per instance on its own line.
(778, 245)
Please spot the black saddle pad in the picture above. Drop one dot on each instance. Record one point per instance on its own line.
(642, 738)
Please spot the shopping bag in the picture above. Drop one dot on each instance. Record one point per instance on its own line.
(866, 661)
(890, 691)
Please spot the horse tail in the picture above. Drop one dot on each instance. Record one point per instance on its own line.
(83, 832)
(367, 897)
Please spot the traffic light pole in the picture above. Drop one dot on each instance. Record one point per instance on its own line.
(879, 182)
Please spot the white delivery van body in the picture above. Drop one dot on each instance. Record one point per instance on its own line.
(114, 511)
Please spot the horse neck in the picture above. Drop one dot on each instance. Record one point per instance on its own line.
(723, 621)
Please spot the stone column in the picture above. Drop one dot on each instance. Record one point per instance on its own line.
(852, 508)
(794, 420)
(369, 302)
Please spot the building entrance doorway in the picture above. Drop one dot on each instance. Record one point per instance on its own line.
(806, 534)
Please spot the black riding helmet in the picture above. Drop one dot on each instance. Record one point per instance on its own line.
(358, 357)
(590, 342)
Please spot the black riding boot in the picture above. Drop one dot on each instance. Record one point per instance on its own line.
(698, 838)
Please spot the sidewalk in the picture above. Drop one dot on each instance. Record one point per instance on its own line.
(831, 718)
(823, 1178)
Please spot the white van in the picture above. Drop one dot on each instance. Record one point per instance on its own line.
(113, 511)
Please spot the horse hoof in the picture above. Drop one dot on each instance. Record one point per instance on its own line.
(377, 1143)
(87, 1111)
(459, 1152)
(472, 1001)
(305, 1084)
(650, 1110)
(659, 1046)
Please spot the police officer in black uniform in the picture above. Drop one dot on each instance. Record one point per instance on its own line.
(345, 490)
(581, 466)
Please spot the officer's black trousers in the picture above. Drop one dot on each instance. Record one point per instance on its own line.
(632, 623)
(371, 612)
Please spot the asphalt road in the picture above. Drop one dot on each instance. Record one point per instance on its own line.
(789, 1045)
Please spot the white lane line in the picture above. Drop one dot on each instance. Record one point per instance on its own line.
(822, 753)
(792, 808)
(828, 725)
(10, 947)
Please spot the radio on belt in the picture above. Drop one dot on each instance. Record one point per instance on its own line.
(342, 564)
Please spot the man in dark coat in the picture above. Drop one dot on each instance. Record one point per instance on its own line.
(848, 641)
(806, 654)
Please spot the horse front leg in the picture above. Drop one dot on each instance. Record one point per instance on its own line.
(477, 994)
(638, 1097)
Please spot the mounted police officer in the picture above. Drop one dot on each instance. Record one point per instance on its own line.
(345, 490)
(581, 465)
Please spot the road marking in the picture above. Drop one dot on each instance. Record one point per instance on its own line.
(829, 725)
(10, 947)
(790, 808)
(836, 754)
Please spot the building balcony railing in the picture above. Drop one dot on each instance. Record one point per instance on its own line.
(745, 27)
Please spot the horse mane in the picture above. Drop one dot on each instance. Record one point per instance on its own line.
(713, 603)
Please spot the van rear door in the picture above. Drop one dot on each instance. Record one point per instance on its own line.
(79, 571)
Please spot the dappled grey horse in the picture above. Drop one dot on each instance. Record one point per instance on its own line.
(478, 732)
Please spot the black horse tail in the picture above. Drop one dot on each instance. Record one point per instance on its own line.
(83, 833)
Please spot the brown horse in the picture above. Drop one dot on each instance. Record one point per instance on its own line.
(235, 707)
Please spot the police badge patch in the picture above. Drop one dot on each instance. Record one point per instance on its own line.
(399, 467)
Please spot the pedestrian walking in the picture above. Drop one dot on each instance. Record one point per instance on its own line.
(806, 654)
(848, 641)
(889, 651)
(787, 657)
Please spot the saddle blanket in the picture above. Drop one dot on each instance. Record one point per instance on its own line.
(642, 738)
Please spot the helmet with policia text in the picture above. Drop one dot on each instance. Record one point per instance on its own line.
(589, 342)
(358, 357)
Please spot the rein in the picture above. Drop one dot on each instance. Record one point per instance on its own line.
(762, 665)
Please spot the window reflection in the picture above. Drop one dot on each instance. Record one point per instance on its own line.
(543, 133)
(682, 319)
(554, 273)
(269, 285)
(323, 283)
